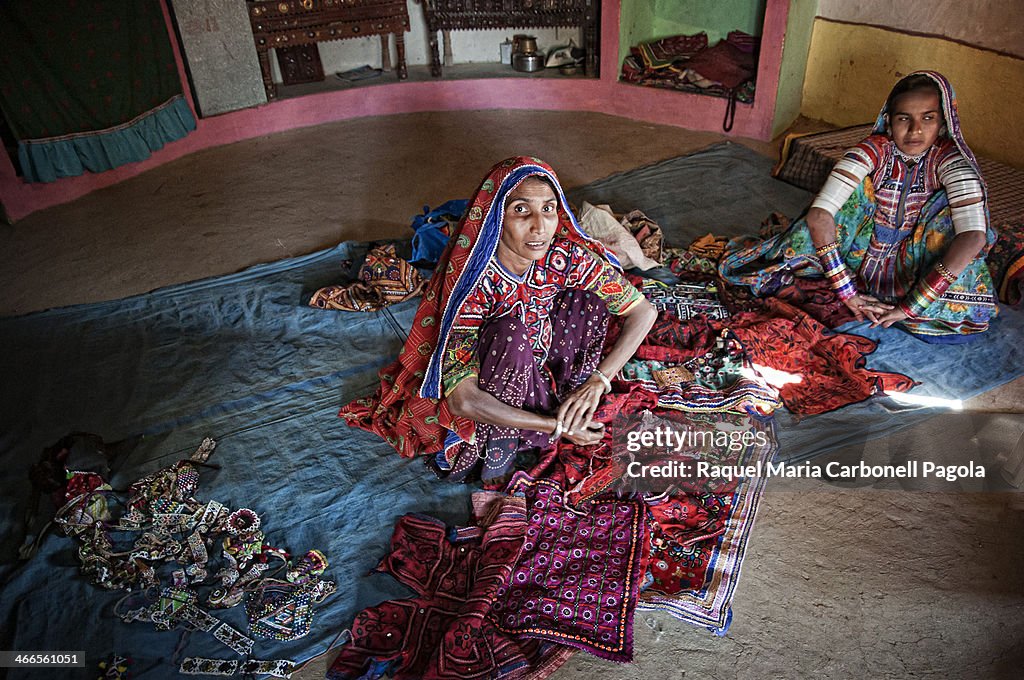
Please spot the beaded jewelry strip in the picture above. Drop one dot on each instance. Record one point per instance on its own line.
(233, 638)
(911, 159)
(281, 668)
(929, 289)
(945, 273)
(836, 271)
(199, 666)
(822, 250)
(195, 665)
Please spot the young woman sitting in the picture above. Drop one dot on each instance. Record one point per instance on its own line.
(900, 227)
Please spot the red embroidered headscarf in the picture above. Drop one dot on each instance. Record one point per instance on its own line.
(408, 409)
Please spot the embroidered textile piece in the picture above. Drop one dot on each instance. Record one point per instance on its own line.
(578, 577)
(814, 369)
(659, 54)
(285, 611)
(601, 223)
(688, 265)
(114, 667)
(719, 380)
(647, 232)
(444, 631)
(699, 540)
(814, 296)
(685, 62)
(709, 246)
(384, 279)
(686, 300)
(699, 533)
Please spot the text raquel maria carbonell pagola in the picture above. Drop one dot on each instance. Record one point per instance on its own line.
(687, 469)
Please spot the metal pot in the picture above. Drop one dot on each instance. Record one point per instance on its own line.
(527, 63)
(524, 44)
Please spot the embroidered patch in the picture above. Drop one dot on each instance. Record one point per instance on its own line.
(233, 639)
(199, 666)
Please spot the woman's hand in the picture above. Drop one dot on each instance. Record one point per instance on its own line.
(866, 307)
(586, 436)
(889, 318)
(578, 409)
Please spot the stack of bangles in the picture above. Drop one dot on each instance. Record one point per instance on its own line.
(838, 275)
(929, 289)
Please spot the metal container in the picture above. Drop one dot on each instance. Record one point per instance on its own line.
(524, 44)
(527, 63)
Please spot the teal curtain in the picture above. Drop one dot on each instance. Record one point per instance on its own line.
(88, 85)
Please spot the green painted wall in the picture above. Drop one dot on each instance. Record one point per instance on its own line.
(796, 47)
(642, 20)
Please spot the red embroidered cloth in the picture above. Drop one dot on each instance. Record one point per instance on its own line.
(820, 370)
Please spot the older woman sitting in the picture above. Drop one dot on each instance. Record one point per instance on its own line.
(505, 354)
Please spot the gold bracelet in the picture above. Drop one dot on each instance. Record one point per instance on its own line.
(827, 247)
(945, 273)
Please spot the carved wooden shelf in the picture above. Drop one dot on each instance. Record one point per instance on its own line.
(448, 15)
(287, 23)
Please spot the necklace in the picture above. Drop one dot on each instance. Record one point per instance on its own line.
(908, 159)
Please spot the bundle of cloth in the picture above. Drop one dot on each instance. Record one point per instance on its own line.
(686, 62)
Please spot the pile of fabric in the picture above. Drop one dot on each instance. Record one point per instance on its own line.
(687, 63)
(563, 559)
(384, 279)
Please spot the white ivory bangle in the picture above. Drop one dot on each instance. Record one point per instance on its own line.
(559, 429)
(604, 379)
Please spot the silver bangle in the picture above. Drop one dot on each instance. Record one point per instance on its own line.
(604, 379)
(559, 429)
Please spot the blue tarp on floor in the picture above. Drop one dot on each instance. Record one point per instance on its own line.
(240, 358)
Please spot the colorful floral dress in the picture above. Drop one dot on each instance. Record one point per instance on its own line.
(891, 232)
